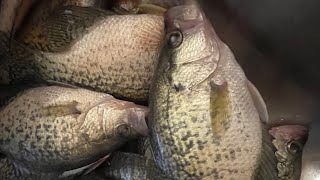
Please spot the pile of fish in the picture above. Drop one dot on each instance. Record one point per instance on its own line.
(91, 76)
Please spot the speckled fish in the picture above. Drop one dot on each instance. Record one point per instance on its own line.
(129, 166)
(53, 129)
(34, 30)
(288, 141)
(115, 54)
(204, 114)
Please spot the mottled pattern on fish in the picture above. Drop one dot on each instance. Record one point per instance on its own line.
(128, 166)
(34, 31)
(288, 141)
(116, 56)
(11, 171)
(203, 121)
(55, 129)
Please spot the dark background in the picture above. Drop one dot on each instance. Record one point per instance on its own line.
(277, 44)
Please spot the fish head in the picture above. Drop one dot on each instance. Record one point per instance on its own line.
(191, 52)
(133, 124)
(124, 120)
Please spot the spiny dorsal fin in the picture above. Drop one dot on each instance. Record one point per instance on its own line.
(67, 24)
(85, 169)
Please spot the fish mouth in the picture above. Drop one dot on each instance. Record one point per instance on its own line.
(184, 17)
(138, 121)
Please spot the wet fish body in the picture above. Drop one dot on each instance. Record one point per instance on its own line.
(115, 55)
(34, 32)
(288, 141)
(204, 121)
(129, 166)
(55, 129)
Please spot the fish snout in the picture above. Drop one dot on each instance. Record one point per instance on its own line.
(183, 17)
(137, 125)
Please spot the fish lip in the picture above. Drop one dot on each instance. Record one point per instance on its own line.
(183, 17)
(139, 121)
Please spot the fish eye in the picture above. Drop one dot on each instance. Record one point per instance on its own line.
(175, 38)
(294, 147)
(124, 130)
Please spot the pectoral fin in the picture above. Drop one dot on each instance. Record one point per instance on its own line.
(219, 107)
(258, 102)
(84, 170)
(60, 110)
(96, 164)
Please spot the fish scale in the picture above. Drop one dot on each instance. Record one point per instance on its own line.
(34, 32)
(54, 129)
(116, 55)
(204, 121)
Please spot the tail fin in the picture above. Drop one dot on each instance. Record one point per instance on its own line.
(16, 61)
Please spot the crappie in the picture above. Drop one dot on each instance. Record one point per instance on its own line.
(113, 54)
(56, 129)
(34, 29)
(288, 141)
(204, 121)
(129, 166)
